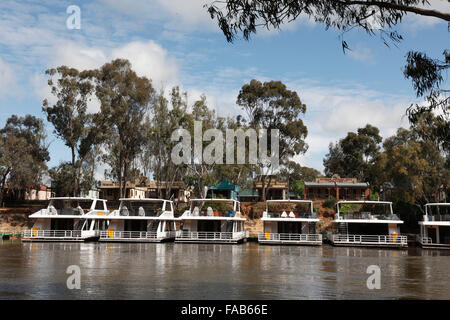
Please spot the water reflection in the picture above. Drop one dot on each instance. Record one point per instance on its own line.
(205, 271)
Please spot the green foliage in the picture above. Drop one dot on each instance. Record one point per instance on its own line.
(299, 188)
(330, 203)
(349, 208)
(355, 155)
(23, 153)
(124, 102)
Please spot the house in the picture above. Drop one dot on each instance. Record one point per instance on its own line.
(41, 192)
(223, 189)
(110, 190)
(178, 191)
(249, 195)
(276, 190)
(337, 187)
(28, 193)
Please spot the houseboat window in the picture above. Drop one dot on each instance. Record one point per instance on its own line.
(135, 225)
(99, 205)
(208, 226)
(289, 227)
(62, 224)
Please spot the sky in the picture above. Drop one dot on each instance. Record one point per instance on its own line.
(174, 42)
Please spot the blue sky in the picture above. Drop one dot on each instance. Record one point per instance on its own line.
(176, 43)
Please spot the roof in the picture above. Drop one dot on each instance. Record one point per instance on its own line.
(224, 184)
(338, 184)
(218, 200)
(144, 199)
(363, 202)
(248, 193)
(287, 200)
(444, 204)
(75, 198)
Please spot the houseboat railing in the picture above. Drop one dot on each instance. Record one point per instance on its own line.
(438, 217)
(200, 235)
(424, 240)
(51, 234)
(290, 237)
(136, 234)
(367, 216)
(370, 239)
(297, 215)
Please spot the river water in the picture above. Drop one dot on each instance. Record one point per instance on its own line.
(208, 271)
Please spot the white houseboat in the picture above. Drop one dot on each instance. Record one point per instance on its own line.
(212, 221)
(435, 227)
(289, 222)
(367, 223)
(65, 220)
(141, 220)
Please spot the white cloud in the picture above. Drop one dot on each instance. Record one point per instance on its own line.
(8, 80)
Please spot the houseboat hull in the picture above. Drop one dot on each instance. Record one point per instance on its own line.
(434, 235)
(290, 239)
(59, 236)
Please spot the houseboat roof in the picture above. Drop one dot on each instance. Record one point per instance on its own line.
(214, 199)
(363, 202)
(289, 200)
(438, 204)
(76, 198)
(144, 199)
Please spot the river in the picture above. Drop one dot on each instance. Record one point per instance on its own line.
(208, 271)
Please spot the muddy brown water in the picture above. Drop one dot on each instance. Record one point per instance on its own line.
(214, 271)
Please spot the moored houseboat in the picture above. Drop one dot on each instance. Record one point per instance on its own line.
(141, 220)
(212, 221)
(367, 223)
(64, 219)
(435, 227)
(289, 222)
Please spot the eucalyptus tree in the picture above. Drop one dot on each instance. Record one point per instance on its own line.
(69, 116)
(166, 116)
(124, 102)
(200, 172)
(23, 153)
(355, 154)
(376, 18)
(270, 105)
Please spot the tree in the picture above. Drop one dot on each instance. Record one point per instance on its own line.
(354, 155)
(124, 101)
(415, 167)
(201, 173)
(270, 105)
(293, 171)
(298, 187)
(374, 17)
(23, 153)
(235, 16)
(69, 115)
(428, 76)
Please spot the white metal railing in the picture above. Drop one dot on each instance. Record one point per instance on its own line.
(370, 239)
(128, 235)
(62, 234)
(301, 237)
(204, 235)
(424, 240)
